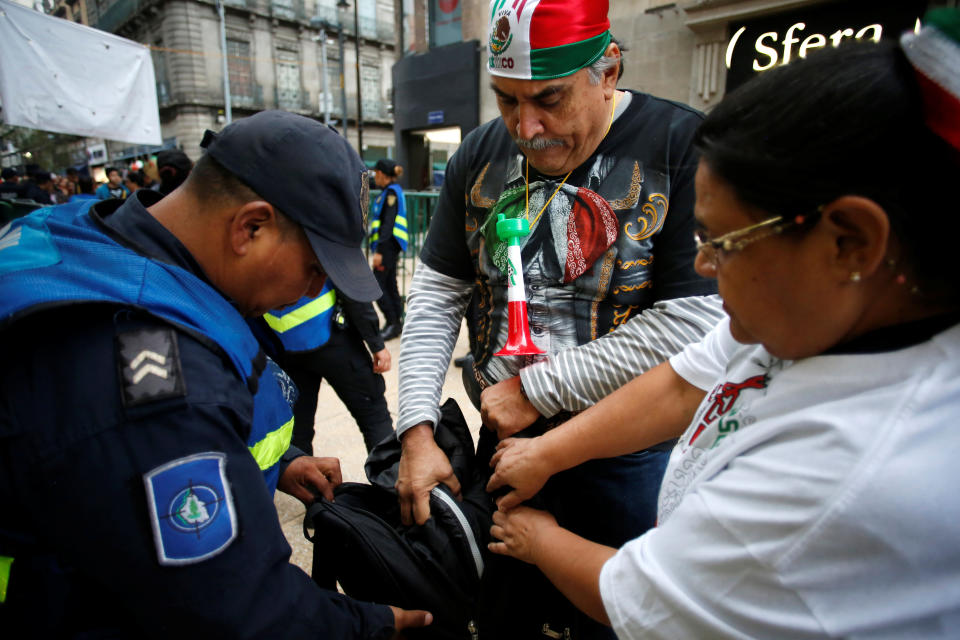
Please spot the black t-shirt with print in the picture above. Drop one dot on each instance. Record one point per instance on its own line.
(644, 168)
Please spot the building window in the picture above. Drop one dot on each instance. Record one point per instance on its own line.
(288, 80)
(284, 9)
(327, 11)
(371, 99)
(445, 18)
(159, 57)
(408, 41)
(367, 14)
(240, 68)
(331, 100)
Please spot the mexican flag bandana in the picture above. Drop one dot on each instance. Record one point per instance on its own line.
(583, 225)
(935, 55)
(545, 39)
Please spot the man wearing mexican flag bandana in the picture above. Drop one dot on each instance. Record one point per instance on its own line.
(604, 178)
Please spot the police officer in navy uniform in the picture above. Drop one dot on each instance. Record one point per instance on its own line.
(142, 427)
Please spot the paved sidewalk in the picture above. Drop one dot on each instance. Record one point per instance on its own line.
(338, 435)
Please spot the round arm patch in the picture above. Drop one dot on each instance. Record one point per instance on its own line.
(191, 508)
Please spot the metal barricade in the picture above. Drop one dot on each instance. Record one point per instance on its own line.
(420, 207)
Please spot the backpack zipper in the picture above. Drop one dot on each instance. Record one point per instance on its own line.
(462, 519)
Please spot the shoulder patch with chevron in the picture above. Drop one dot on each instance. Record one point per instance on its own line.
(149, 362)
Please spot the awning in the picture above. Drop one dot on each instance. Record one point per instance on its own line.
(56, 75)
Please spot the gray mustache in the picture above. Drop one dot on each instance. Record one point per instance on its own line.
(537, 143)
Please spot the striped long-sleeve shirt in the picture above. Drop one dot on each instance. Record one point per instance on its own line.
(435, 307)
(571, 380)
(575, 379)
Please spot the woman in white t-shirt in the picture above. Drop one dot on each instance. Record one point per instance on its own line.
(814, 488)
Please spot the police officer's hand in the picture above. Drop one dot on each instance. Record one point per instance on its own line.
(423, 465)
(381, 361)
(307, 476)
(505, 409)
(377, 262)
(409, 619)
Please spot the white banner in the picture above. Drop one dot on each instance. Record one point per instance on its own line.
(57, 75)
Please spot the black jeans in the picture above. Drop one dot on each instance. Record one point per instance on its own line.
(390, 303)
(346, 364)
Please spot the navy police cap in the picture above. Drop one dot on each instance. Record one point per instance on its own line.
(312, 174)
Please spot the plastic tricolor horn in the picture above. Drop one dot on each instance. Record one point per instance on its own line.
(519, 342)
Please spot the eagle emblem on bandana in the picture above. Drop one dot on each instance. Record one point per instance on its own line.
(500, 36)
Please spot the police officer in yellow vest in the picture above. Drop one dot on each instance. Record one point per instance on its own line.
(328, 337)
(388, 237)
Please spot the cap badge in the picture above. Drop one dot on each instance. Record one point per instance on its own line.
(364, 200)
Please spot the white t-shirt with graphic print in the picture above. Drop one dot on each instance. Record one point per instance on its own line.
(807, 499)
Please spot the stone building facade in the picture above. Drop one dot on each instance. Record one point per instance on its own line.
(687, 50)
(691, 51)
(274, 61)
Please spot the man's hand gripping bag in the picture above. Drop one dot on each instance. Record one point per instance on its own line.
(360, 542)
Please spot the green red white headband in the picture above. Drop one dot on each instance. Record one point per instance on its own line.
(546, 39)
(935, 56)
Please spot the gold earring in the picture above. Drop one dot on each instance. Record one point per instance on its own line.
(855, 276)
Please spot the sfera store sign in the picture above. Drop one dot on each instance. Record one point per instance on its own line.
(758, 45)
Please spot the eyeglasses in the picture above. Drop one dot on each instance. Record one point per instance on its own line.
(715, 248)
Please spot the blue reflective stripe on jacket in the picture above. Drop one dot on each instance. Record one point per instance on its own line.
(58, 255)
(400, 222)
(305, 325)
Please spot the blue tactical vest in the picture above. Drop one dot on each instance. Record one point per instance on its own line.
(306, 325)
(399, 224)
(58, 255)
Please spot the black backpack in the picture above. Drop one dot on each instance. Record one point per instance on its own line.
(360, 542)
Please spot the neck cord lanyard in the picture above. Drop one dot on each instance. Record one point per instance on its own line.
(526, 176)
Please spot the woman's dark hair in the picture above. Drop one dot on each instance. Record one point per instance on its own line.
(845, 121)
(85, 184)
(174, 166)
(388, 167)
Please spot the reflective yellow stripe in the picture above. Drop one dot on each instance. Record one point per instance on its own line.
(400, 233)
(301, 314)
(5, 563)
(376, 224)
(401, 220)
(268, 451)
